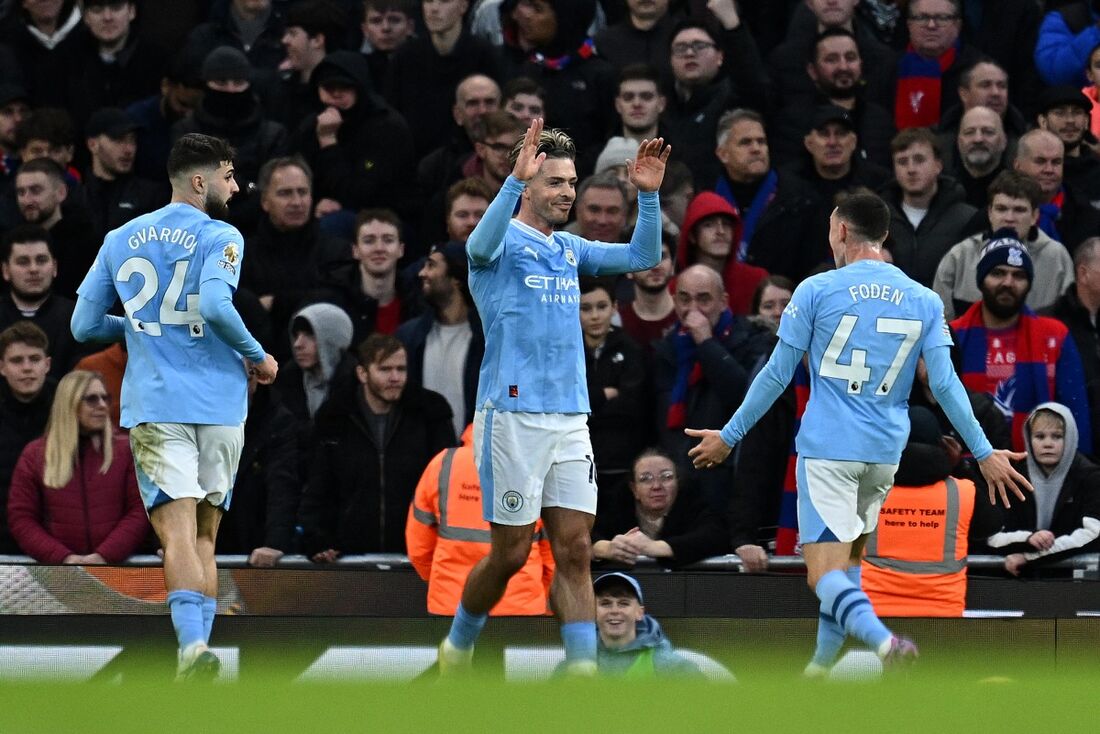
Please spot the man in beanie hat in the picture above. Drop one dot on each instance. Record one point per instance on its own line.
(448, 334)
(1019, 358)
(1013, 211)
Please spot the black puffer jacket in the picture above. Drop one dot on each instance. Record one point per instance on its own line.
(373, 163)
(917, 252)
(358, 494)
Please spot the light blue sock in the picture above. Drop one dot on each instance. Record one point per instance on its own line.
(209, 609)
(465, 628)
(851, 608)
(855, 575)
(579, 639)
(830, 638)
(186, 609)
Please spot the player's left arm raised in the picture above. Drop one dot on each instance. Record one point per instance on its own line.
(647, 170)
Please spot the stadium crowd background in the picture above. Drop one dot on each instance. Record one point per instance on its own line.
(371, 135)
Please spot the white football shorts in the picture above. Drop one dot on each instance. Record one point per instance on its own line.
(177, 460)
(839, 501)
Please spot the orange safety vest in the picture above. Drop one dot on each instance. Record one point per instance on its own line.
(915, 562)
(446, 535)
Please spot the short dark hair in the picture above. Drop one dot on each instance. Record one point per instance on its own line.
(376, 348)
(24, 234)
(589, 283)
(522, 85)
(866, 215)
(378, 214)
(639, 73)
(408, 8)
(913, 135)
(967, 74)
(319, 17)
(779, 281)
(196, 150)
(1016, 185)
(267, 170)
(497, 122)
(48, 166)
(476, 187)
(826, 35)
(52, 124)
(703, 24)
(23, 332)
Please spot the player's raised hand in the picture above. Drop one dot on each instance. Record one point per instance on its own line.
(265, 371)
(711, 451)
(647, 171)
(1003, 477)
(529, 159)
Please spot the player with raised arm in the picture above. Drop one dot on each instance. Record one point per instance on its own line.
(864, 325)
(531, 442)
(184, 393)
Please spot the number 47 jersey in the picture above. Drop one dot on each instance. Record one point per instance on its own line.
(864, 326)
(177, 370)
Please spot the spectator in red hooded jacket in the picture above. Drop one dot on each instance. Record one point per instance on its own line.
(74, 495)
(711, 227)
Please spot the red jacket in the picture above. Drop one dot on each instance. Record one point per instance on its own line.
(740, 278)
(93, 513)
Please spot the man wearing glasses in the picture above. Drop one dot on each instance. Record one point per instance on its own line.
(699, 52)
(929, 70)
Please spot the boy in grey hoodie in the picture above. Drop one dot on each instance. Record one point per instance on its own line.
(1062, 517)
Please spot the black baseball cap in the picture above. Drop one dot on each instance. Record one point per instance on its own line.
(1062, 95)
(825, 114)
(112, 122)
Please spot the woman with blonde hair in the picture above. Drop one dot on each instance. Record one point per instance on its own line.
(74, 495)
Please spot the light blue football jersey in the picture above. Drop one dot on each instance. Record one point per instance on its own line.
(177, 370)
(864, 327)
(528, 297)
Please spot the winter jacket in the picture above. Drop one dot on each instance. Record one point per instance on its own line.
(414, 335)
(53, 318)
(93, 513)
(580, 92)
(917, 252)
(780, 243)
(114, 203)
(617, 426)
(267, 489)
(874, 125)
(373, 163)
(648, 655)
(1071, 492)
(92, 82)
(20, 423)
(691, 527)
(446, 536)
(1069, 310)
(739, 278)
(623, 44)
(304, 392)
(358, 494)
(1066, 38)
(691, 122)
(955, 284)
(421, 84)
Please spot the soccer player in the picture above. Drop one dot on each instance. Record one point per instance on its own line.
(531, 441)
(864, 325)
(184, 393)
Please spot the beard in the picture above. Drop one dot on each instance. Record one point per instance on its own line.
(979, 156)
(833, 91)
(215, 208)
(1001, 309)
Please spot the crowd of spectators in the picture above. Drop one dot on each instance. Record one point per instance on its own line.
(371, 135)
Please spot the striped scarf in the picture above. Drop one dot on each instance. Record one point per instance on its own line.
(1031, 384)
(689, 371)
(1050, 213)
(786, 535)
(919, 90)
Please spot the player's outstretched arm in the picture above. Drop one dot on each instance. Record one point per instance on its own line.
(216, 309)
(768, 385)
(647, 170)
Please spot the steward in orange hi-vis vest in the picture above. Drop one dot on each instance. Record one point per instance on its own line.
(915, 562)
(445, 536)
